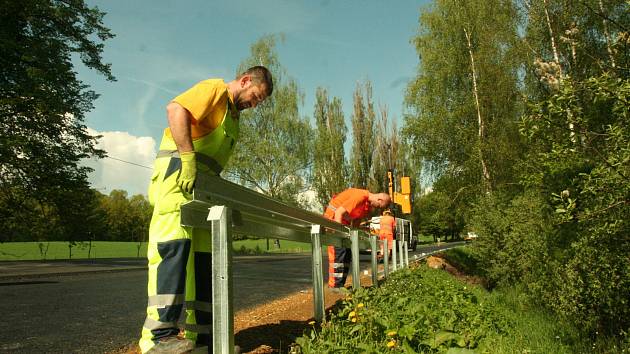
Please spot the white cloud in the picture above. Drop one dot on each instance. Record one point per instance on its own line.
(128, 165)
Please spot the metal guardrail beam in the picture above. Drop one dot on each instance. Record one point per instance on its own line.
(223, 208)
(256, 214)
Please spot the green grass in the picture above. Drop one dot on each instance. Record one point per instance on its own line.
(259, 246)
(59, 250)
(425, 239)
(102, 249)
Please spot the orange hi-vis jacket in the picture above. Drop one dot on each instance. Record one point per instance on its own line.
(388, 225)
(354, 200)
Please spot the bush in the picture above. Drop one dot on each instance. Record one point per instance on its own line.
(415, 311)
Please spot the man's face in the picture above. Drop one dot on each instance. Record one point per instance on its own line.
(250, 95)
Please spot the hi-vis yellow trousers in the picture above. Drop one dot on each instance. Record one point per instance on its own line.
(179, 264)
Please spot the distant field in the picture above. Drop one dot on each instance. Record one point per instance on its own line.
(101, 249)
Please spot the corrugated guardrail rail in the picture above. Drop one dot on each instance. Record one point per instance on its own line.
(225, 208)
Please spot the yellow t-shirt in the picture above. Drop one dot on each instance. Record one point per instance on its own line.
(207, 103)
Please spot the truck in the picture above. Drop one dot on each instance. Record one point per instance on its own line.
(404, 231)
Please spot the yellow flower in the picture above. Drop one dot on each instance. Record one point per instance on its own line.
(352, 314)
(353, 319)
(311, 323)
(391, 343)
(391, 333)
(360, 305)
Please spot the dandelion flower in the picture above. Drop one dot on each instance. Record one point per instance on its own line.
(352, 314)
(391, 343)
(391, 333)
(311, 323)
(360, 305)
(353, 319)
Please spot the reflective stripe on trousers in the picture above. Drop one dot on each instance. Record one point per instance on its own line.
(339, 259)
(179, 265)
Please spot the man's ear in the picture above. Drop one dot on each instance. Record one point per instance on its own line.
(245, 81)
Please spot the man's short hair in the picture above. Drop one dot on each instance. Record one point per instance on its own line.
(260, 75)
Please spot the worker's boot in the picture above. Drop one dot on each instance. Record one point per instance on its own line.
(172, 345)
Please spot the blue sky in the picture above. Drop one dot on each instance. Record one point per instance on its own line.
(162, 48)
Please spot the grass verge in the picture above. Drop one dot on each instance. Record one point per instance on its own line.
(423, 310)
(22, 251)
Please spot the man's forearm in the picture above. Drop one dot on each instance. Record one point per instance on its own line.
(179, 122)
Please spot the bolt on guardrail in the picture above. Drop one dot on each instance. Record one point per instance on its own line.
(225, 208)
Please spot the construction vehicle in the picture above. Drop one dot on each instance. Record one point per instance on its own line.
(401, 205)
(401, 202)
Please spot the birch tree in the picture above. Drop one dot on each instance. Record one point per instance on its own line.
(462, 106)
(274, 151)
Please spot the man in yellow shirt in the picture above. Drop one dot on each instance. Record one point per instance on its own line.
(202, 131)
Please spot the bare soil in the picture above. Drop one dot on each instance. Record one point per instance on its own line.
(439, 262)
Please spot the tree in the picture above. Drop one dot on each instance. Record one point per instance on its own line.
(329, 163)
(363, 119)
(43, 103)
(566, 234)
(118, 212)
(385, 151)
(273, 154)
(462, 105)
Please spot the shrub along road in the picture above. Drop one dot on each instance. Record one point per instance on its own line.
(98, 311)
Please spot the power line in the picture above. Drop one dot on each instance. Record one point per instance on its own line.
(129, 162)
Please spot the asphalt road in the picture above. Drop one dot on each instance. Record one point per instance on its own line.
(96, 312)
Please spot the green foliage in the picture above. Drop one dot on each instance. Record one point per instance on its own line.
(585, 174)
(273, 154)
(125, 219)
(438, 215)
(427, 311)
(104, 218)
(514, 239)
(42, 109)
(442, 122)
(569, 247)
(558, 215)
(415, 310)
(329, 163)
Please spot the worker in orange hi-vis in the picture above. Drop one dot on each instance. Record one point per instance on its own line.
(387, 230)
(348, 208)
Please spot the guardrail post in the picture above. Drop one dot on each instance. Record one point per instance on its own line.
(406, 253)
(222, 311)
(394, 255)
(373, 243)
(318, 278)
(356, 271)
(401, 258)
(385, 258)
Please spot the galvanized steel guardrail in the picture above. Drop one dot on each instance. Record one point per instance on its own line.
(225, 208)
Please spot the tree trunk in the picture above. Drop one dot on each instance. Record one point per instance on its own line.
(556, 59)
(484, 167)
(607, 34)
(554, 48)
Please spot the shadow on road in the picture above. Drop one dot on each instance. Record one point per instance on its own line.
(28, 282)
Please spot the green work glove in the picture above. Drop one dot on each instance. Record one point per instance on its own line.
(186, 178)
